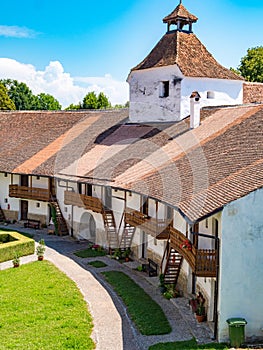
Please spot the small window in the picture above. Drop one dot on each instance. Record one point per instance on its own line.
(164, 89)
(210, 94)
(5, 174)
(38, 177)
(206, 223)
(38, 205)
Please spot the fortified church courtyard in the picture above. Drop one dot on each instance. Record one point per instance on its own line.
(174, 184)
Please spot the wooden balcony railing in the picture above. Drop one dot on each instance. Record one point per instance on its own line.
(83, 201)
(202, 261)
(24, 192)
(156, 228)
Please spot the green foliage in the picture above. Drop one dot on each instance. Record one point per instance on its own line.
(119, 106)
(5, 101)
(54, 219)
(90, 101)
(73, 107)
(251, 66)
(22, 246)
(20, 93)
(42, 309)
(24, 99)
(97, 264)
(41, 248)
(188, 344)
(46, 102)
(141, 308)
(103, 102)
(90, 253)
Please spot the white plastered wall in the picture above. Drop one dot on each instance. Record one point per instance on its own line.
(146, 105)
(224, 92)
(241, 268)
(145, 102)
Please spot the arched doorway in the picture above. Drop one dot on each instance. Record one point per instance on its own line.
(87, 227)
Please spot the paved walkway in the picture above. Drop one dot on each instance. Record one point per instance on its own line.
(113, 330)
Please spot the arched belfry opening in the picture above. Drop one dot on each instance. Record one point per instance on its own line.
(180, 18)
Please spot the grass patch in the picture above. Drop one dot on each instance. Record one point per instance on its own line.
(98, 264)
(90, 253)
(42, 309)
(190, 345)
(145, 312)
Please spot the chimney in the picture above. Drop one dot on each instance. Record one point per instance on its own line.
(194, 110)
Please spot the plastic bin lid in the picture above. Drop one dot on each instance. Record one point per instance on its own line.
(236, 321)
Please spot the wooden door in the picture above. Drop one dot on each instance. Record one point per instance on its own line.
(24, 209)
(24, 180)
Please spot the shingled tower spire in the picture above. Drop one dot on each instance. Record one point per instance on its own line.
(180, 17)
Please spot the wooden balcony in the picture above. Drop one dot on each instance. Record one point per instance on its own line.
(202, 261)
(157, 228)
(34, 193)
(83, 201)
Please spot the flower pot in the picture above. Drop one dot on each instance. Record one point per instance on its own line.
(200, 318)
(40, 258)
(127, 259)
(16, 264)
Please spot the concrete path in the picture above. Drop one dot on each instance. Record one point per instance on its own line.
(113, 330)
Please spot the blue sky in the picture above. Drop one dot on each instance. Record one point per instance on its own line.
(69, 48)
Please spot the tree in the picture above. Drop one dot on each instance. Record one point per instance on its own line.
(20, 93)
(102, 101)
(90, 101)
(73, 107)
(251, 65)
(46, 102)
(5, 101)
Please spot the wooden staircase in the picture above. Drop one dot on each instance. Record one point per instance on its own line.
(173, 267)
(62, 227)
(110, 226)
(2, 215)
(127, 236)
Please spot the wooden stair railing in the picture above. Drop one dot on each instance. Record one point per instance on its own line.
(110, 227)
(173, 267)
(127, 237)
(61, 222)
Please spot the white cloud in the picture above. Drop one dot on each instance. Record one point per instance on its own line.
(17, 32)
(65, 88)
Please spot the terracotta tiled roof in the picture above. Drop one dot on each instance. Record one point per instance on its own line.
(197, 171)
(31, 141)
(180, 12)
(191, 56)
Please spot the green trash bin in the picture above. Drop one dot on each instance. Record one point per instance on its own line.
(236, 331)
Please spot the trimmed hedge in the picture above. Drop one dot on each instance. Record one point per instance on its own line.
(19, 245)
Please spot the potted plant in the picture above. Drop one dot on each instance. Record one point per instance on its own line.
(126, 254)
(117, 254)
(16, 260)
(200, 308)
(41, 249)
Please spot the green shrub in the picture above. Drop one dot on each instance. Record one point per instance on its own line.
(18, 244)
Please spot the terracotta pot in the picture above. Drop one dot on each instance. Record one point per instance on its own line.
(40, 258)
(16, 265)
(200, 318)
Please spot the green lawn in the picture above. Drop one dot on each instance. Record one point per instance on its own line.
(189, 345)
(89, 253)
(41, 309)
(145, 312)
(97, 264)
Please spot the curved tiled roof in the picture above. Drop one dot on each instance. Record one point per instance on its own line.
(191, 56)
(196, 171)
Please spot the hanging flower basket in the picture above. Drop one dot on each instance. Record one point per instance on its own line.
(186, 245)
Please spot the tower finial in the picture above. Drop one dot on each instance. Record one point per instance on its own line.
(181, 2)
